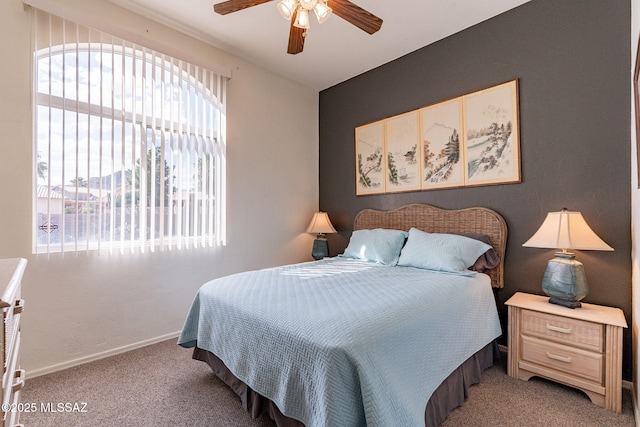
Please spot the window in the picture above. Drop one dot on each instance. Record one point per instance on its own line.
(129, 144)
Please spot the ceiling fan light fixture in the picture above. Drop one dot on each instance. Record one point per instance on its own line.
(302, 20)
(297, 12)
(322, 11)
(286, 8)
(308, 4)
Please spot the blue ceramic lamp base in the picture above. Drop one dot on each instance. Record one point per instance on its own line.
(320, 248)
(564, 280)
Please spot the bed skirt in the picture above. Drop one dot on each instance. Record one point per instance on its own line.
(451, 393)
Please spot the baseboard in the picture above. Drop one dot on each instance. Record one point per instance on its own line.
(98, 356)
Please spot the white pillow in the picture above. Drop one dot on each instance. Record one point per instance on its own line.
(441, 252)
(378, 245)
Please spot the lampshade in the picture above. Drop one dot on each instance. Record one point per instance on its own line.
(320, 224)
(566, 230)
(302, 19)
(564, 280)
(286, 8)
(322, 11)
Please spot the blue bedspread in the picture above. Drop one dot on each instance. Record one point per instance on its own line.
(342, 342)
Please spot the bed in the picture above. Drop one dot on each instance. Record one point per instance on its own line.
(355, 340)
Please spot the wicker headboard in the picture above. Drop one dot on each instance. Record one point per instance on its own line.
(435, 220)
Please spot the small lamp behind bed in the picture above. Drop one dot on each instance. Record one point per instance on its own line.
(564, 280)
(320, 225)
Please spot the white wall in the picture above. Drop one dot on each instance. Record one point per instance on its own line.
(89, 305)
(635, 212)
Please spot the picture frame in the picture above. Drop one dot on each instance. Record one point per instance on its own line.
(491, 134)
(467, 141)
(442, 154)
(402, 152)
(370, 159)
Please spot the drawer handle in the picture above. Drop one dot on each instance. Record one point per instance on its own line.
(559, 329)
(559, 358)
(19, 306)
(19, 383)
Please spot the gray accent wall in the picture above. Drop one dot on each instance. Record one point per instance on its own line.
(572, 62)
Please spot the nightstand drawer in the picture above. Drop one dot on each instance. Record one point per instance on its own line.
(579, 333)
(574, 361)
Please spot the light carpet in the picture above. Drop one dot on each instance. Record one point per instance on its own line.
(160, 385)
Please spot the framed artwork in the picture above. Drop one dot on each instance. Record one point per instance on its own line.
(370, 169)
(492, 143)
(441, 141)
(470, 140)
(403, 152)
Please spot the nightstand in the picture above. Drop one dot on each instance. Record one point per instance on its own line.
(580, 347)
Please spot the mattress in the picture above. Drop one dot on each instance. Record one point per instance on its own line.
(342, 341)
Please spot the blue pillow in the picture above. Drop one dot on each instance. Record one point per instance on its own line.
(488, 260)
(441, 252)
(378, 245)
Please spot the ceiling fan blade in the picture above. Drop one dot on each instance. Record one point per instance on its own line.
(296, 37)
(235, 5)
(356, 15)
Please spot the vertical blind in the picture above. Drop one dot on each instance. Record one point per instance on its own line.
(129, 144)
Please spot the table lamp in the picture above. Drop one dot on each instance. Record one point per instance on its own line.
(564, 280)
(320, 225)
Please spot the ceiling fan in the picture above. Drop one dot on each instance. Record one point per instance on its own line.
(297, 11)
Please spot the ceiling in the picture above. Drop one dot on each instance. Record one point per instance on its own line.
(334, 51)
